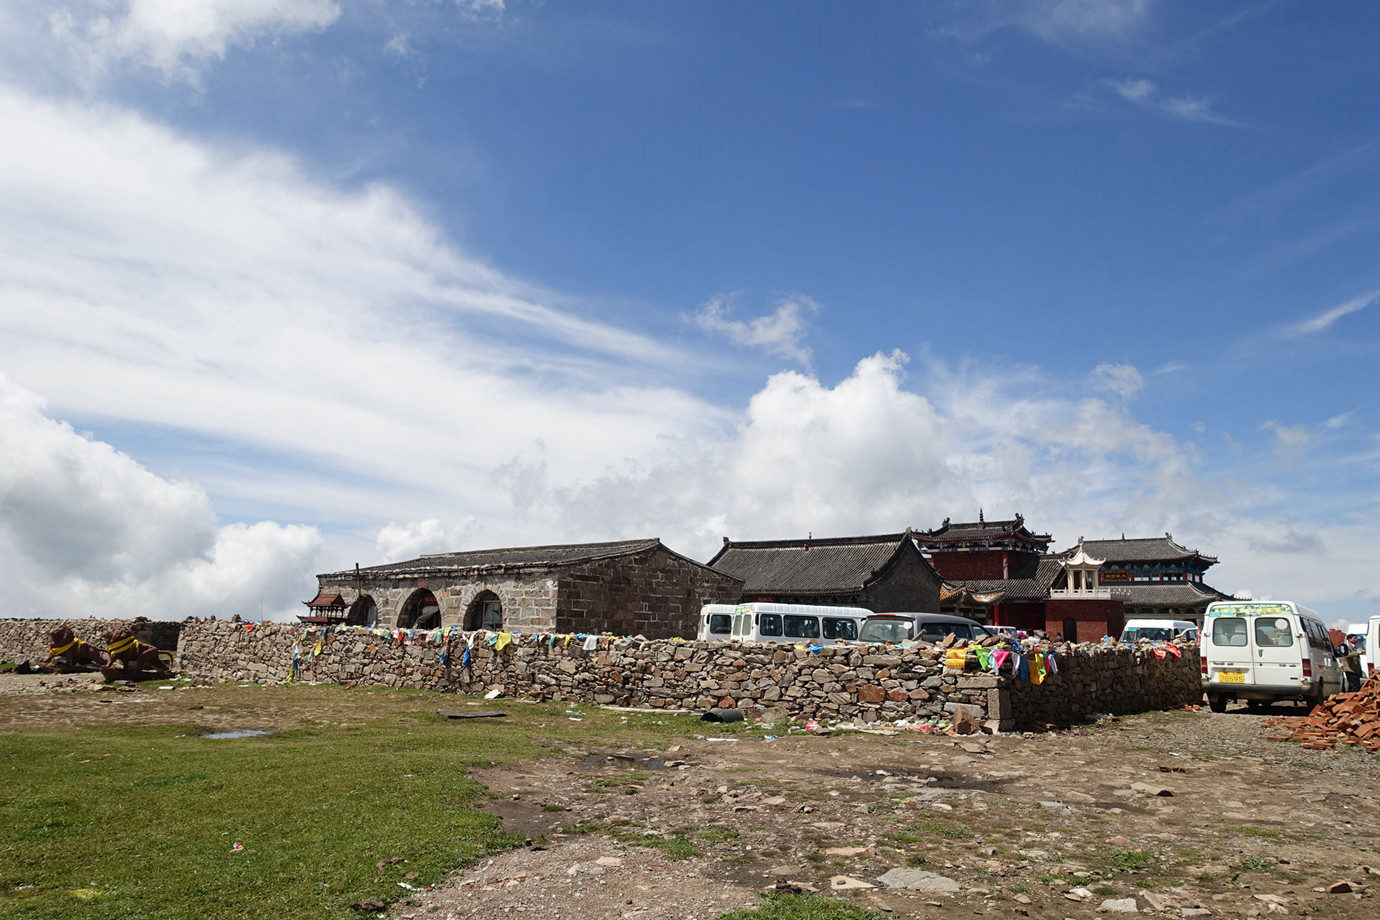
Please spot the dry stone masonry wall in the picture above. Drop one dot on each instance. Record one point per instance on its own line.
(867, 683)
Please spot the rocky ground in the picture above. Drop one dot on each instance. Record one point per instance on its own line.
(1179, 814)
(1175, 814)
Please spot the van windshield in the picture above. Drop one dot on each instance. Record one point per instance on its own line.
(1153, 633)
(891, 629)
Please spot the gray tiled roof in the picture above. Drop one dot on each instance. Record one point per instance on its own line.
(981, 530)
(809, 566)
(521, 557)
(1030, 582)
(1148, 549)
(1173, 594)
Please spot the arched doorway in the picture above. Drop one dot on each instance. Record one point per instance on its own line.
(485, 612)
(420, 611)
(363, 612)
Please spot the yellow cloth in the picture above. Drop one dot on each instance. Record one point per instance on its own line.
(503, 640)
(956, 658)
(59, 651)
(122, 646)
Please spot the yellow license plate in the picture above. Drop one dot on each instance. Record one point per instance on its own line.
(1231, 677)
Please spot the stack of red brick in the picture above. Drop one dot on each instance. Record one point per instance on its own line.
(1347, 718)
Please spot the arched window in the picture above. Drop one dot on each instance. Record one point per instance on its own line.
(420, 611)
(363, 612)
(485, 612)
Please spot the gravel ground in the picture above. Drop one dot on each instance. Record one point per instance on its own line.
(1181, 814)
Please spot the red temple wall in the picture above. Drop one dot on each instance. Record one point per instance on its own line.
(1092, 618)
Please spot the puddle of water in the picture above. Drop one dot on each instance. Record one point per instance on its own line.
(239, 733)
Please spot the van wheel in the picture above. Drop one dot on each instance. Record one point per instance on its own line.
(1217, 702)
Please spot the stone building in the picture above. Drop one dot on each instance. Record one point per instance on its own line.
(633, 587)
(881, 573)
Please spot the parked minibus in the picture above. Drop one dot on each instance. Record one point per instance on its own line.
(1262, 651)
(1372, 644)
(1358, 641)
(769, 622)
(1158, 630)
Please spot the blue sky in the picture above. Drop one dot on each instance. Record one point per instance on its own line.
(290, 284)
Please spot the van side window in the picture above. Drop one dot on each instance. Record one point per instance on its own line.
(1273, 632)
(837, 628)
(1229, 631)
(798, 627)
(934, 632)
(720, 623)
(769, 624)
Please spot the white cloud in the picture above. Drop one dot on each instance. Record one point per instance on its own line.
(150, 279)
(779, 333)
(397, 542)
(1088, 22)
(1288, 437)
(1085, 20)
(85, 530)
(1325, 320)
(1121, 379)
(179, 37)
(1190, 108)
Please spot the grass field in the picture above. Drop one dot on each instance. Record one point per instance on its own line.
(113, 818)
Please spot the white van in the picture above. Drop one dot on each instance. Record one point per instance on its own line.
(1159, 630)
(1261, 651)
(1372, 645)
(793, 623)
(1358, 639)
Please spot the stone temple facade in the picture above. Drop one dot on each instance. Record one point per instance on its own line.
(627, 588)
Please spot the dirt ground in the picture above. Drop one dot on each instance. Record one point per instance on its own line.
(1179, 814)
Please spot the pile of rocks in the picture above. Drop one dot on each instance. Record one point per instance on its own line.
(1347, 718)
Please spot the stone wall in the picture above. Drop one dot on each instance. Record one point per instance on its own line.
(1117, 680)
(844, 682)
(854, 682)
(26, 639)
(656, 594)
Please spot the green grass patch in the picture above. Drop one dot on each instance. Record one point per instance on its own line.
(784, 906)
(677, 846)
(719, 835)
(940, 829)
(1131, 860)
(118, 821)
(1246, 830)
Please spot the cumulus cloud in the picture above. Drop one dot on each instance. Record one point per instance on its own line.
(778, 333)
(1325, 320)
(397, 542)
(86, 530)
(877, 452)
(1147, 95)
(1120, 379)
(179, 37)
